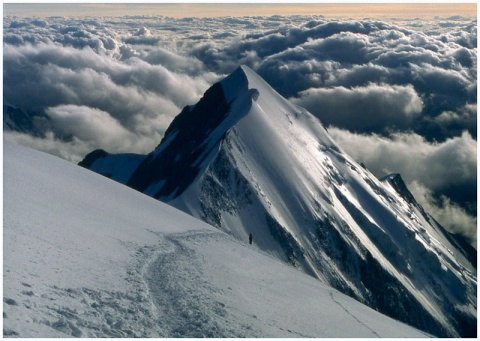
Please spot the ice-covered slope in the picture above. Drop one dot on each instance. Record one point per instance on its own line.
(248, 161)
(87, 257)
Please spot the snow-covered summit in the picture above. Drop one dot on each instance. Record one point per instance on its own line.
(246, 160)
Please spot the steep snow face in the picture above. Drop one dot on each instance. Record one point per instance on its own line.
(394, 182)
(87, 257)
(261, 165)
(279, 176)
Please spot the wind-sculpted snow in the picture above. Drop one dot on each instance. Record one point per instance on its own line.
(87, 257)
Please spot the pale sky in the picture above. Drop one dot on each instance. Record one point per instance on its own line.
(329, 10)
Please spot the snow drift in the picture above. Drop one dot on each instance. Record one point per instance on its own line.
(87, 257)
(246, 160)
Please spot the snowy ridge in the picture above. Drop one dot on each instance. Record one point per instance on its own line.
(260, 164)
(87, 257)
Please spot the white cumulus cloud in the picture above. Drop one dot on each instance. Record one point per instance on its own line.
(373, 108)
(88, 124)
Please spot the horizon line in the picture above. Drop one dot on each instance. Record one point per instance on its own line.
(238, 9)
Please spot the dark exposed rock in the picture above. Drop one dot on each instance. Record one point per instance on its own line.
(188, 142)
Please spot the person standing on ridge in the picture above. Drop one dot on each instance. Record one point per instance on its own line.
(250, 238)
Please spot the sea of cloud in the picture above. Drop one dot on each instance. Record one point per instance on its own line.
(399, 96)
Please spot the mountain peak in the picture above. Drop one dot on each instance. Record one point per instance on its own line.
(246, 160)
(253, 79)
(396, 181)
(194, 135)
(235, 83)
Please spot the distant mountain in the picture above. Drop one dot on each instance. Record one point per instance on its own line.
(246, 160)
(15, 119)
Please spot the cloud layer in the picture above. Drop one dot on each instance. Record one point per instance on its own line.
(400, 97)
(332, 58)
(140, 97)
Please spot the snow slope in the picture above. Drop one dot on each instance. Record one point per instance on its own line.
(246, 160)
(85, 256)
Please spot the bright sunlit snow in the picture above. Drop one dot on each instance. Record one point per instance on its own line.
(86, 256)
(301, 176)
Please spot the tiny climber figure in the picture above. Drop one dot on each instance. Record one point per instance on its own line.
(250, 238)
